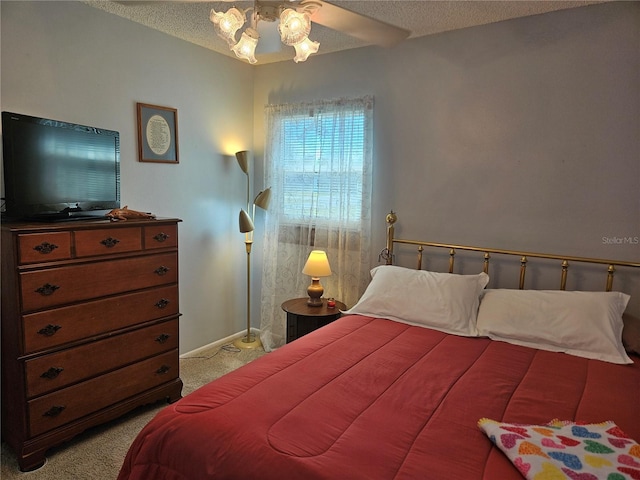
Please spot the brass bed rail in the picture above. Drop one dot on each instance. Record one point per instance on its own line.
(387, 256)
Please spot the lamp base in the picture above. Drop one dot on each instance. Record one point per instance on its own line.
(315, 291)
(314, 302)
(251, 341)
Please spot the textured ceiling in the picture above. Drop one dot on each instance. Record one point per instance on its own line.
(189, 20)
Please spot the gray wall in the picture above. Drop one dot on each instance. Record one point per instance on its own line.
(72, 62)
(522, 134)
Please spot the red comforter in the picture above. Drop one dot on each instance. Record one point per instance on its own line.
(368, 398)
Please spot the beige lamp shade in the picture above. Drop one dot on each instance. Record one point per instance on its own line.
(243, 160)
(317, 264)
(263, 198)
(246, 224)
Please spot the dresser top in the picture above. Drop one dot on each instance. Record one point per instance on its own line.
(34, 226)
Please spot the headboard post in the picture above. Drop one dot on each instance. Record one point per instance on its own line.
(523, 270)
(485, 267)
(391, 219)
(452, 254)
(610, 271)
(563, 276)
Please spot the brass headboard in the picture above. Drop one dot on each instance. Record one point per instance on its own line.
(387, 255)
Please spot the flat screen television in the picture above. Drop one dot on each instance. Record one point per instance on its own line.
(56, 170)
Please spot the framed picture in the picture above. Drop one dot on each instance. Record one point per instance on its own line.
(157, 134)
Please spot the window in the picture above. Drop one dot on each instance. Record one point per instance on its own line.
(318, 163)
(323, 165)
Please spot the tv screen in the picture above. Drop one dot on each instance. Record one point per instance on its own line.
(58, 170)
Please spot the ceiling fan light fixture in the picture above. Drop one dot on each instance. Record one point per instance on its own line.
(246, 46)
(227, 24)
(294, 26)
(304, 49)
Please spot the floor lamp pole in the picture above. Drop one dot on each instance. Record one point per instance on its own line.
(246, 227)
(250, 340)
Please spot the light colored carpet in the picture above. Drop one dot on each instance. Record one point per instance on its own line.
(98, 453)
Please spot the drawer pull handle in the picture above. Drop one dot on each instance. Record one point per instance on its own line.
(161, 270)
(161, 237)
(163, 369)
(54, 411)
(49, 330)
(162, 303)
(52, 373)
(110, 242)
(162, 338)
(45, 247)
(47, 289)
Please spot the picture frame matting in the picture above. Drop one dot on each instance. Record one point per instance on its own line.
(157, 133)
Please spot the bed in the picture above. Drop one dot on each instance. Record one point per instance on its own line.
(425, 377)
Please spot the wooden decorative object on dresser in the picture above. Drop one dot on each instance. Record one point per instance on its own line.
(89, 327)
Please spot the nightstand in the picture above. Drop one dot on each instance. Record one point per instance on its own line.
(302, 319)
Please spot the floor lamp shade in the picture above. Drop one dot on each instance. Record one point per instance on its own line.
(246, 224)
(243, 161)
(317, 266)
(263, 198)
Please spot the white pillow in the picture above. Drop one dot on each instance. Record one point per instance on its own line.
(585, 324)
(442, 301)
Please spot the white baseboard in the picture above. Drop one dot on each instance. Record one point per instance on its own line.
(219, 343)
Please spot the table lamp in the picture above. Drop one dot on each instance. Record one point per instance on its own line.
(317, 266)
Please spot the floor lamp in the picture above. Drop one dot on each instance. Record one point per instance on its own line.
(247, 227)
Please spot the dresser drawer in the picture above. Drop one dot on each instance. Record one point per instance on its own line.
(63, 406)
(44, 247)
(107, 241)
(161, 236)
(51, 328)
(50, 372)
(58, 286)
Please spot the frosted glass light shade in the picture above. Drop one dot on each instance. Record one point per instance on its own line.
(246, 47)
(294, 26)
(317, 264)
(227, 24)
(304, 49)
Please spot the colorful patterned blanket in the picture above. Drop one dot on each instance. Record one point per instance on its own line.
(567, 450)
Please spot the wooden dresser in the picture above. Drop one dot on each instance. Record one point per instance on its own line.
(89, 326)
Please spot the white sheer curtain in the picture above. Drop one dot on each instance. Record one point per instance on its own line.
(318, 160)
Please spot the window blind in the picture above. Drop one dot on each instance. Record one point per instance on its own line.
(323, 161)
